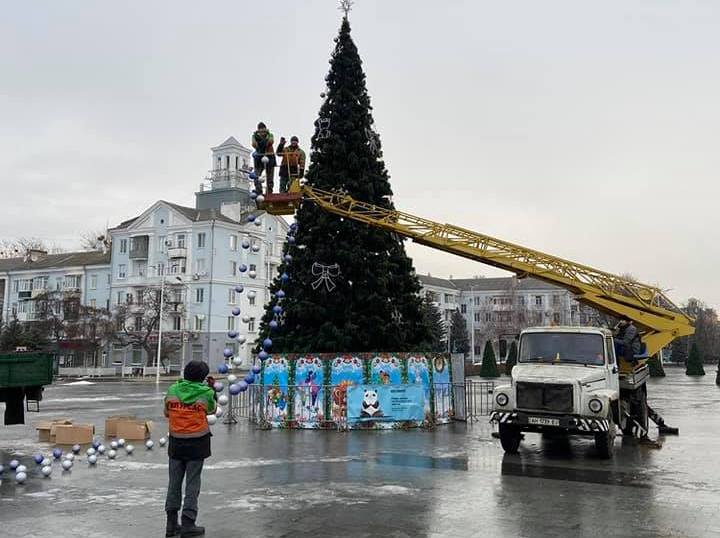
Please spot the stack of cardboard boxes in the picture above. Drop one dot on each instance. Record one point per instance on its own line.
(63, 431)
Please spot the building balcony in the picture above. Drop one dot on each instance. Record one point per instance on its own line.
(177, 252)
(139, 247)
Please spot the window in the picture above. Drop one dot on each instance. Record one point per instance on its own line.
(476, 317)
(199, 322)
(251, 325)
(72, 282)
(251, 301)
(160, 269)
(180, 240)
(139, 295)
(231, 323)
(93, 282)
(177, 323)
(448, 298)
(233, 268)
(231, 296)
(40, 283)
(537, 318)
(201, 240)
(92, 303)
(521, 300)
(199, 295)
(138, 323)
(463, 308)
(162, 243)
(200, 265)
(233, 242)
(140, 268)
(197, 352)
(120, 297)
(237, 162)
(477, 301)
(178, 296)
(129, 298)
(122, 270)
(227, 162)
(123, 246)
(556, 300)
(556, 317)
(538, 300)
(253, 267)
(488, 316)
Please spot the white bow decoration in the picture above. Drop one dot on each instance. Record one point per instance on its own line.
(325, 274)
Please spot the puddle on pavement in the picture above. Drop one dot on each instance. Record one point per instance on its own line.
(425, 462)
(514, 466)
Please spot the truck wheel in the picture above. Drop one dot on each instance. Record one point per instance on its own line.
(510, 437)
(605, 441)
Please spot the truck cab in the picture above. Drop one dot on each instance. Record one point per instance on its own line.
(567, 381)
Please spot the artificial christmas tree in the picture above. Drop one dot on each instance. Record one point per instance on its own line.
(345, 286)
(458, 334)
(489, 368)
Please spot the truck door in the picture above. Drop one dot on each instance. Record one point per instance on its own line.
(612, 366)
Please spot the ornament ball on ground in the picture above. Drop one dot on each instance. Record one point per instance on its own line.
(92, 459)
(149, 444)
(67, 464)
(129, 449)
(14, 464)
(20, 478)
(45, 462)
(76, 449)
(111, 455)
(101, 449)
(21, 469)
(46, 470)
(95, 444)
(70, 457)
(162, 441)
(90, 451)
(121, 442)
(113, 444)
(38, 458)
(222, 399)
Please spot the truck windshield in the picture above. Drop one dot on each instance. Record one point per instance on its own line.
(571, 348)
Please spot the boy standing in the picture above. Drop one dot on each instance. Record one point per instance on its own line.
(187, 404)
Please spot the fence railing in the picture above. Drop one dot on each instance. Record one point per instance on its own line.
(326, 406)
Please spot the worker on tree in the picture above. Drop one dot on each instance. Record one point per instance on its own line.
(293, 162)
(264, 157)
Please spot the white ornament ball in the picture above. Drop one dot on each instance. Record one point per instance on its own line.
(241, 340)
(258, 222)
(67, 464)
(113, 445)
(20, 478)
(265, 159)
(111, 455)
(46, 470)
(237, 361)
(45, 462)
(212, 420)
(149, 444)
(222, 399)
(256, 248)
(70, 456)
(162, 441)
(252, 274)
(231, 378)
(91, 451)
(92, 459)
(260, 199)
(245, 319)
(252, 294)
(129, 449)
(219, 411)
(101, 449)
(21, 469)
(121, 442)
(322, 95)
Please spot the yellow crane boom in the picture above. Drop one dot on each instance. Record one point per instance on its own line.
(658, 318)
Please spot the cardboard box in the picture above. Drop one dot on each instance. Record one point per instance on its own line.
(44, 429)
(74, 434)
(135, 430)
(112, 422)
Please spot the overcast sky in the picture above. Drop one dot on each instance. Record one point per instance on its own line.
(589, 130)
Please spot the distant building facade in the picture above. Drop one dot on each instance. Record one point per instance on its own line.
(496, 309)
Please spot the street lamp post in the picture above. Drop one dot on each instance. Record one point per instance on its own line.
(472, 322)
(160, 328)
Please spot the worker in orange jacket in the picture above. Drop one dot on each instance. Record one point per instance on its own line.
(293, 162)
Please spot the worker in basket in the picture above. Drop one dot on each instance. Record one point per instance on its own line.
(627, 341)
(292, 166)
(263, 158)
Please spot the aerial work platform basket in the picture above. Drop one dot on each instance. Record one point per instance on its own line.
(283, 203)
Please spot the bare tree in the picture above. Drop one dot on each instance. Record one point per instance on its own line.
(137, 320)
(17, 248)
(94, 240)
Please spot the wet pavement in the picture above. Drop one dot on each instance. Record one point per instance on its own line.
(454, 481)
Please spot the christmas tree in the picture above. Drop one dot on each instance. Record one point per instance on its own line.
(344, 286)
(458, 334)
(694, 364)
(512, 358)
(432, 317)
(488, 368)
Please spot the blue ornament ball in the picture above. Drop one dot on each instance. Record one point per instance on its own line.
(273, 324)
(291, 239)
(242, 386)
(232, 334)
(223, 368)
(263, 355)
(245, 244)
(227, 351)
(96, 444)
(253, 195)
(218, 386)
(14, 464)
(267, 343)
(38, 458)
(236, 311)
(284, 277)
(242, 268)
(239, 288)
(234, 389)
(277, 309)
(280, 294)
(252, 175)
(288, 258)
(254, 154)
(57, 453)
(250, 379)
(251, 218)
(256, 369)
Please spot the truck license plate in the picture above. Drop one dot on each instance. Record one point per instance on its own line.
(542, 421)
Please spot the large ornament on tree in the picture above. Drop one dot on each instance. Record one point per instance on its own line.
(325, 274)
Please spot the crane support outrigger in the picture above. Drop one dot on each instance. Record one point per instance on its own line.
(658, 319)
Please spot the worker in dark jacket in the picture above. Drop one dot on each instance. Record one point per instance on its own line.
(628, 336)
(187, 404)
(264, 157)
(293, 162)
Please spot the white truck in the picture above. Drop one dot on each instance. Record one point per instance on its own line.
(567, 380)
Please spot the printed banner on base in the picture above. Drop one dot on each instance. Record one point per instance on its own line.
(385, 403)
